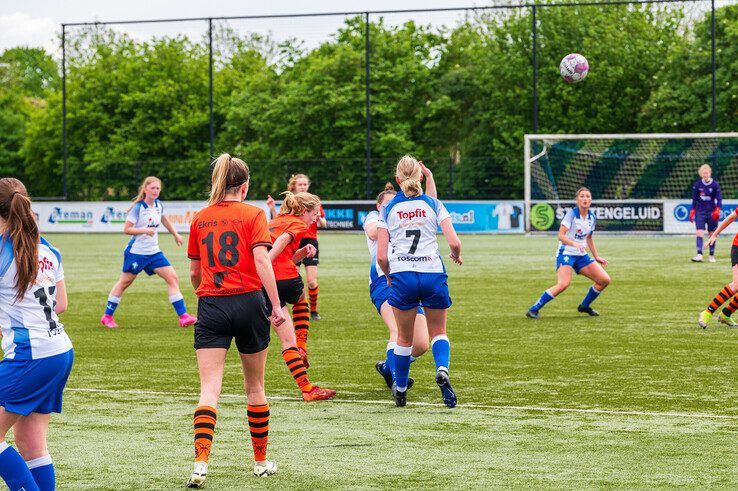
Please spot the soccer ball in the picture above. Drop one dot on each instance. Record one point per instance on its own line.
(574, 68)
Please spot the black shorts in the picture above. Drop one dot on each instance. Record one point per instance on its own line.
(244, 317)
(310, 261)
(290, 290)
(734, 255)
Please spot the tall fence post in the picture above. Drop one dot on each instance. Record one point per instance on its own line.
(367, 96)
(534, 32)
(64, 111)
(450, 177)
(210, 90)
(713, 67)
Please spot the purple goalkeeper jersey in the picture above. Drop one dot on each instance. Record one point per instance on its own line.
(706, 196)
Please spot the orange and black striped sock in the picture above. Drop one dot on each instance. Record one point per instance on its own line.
(301, 320)
(259, 428)
(205, 417)
(294, 362)
(313, 294)
(731, 307)
(722, 297)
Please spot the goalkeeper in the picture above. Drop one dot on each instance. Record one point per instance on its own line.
(706, 203)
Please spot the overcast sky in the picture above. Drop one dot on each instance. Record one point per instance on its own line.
(37, 22)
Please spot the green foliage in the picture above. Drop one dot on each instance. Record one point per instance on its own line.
(30, 71)
(682, 101)
(28, 75)
(459, 97)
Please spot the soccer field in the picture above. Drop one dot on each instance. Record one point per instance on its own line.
(639, 397)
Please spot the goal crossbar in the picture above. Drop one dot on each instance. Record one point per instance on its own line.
(529, 158)
(629, 136)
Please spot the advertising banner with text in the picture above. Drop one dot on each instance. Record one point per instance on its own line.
(676, 216)
(620, 216)
(81, 216)
(493, 217)
(90, 216)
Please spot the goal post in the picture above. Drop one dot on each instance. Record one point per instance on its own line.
(641, 169)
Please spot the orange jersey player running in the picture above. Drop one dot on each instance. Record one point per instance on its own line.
(234, 281)
(300, 183)
(728, 290)
(298, 211)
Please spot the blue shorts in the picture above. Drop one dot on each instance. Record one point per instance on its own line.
(380, 293)
(705, 218)
(135, 263)
(576, 262)
(410, 290)
(34, 386)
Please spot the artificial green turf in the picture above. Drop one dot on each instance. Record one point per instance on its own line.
(127, 420)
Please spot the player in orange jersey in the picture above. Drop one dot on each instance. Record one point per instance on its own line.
(728, 290)
(300, 183)
(298, 211)
(233, 278)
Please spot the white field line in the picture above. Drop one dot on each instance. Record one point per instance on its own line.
(542, 409)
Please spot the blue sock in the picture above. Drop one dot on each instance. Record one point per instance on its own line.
(178, 304)
(441, 348)
(402, 366)
(712, 249)
(112, 305)
(389, 362)
(591, 296)
(545, 298)
(699, 245)
(14, 471)
(42, 470)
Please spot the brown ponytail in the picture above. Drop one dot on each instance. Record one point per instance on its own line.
(409, 175)
(296, 204)
(228, 173)
(388, 189)
(22, 230)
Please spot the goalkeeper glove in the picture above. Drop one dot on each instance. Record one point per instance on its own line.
(691, 215)
(716, 214)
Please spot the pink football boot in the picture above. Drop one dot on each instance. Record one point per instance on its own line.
(108, 321)
(186, 320)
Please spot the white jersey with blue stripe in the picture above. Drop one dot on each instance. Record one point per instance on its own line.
(30, 327)
(375, 271)
(579, 229)
(413, 224)
(145, 216)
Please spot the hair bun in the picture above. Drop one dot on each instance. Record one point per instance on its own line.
(389, 187)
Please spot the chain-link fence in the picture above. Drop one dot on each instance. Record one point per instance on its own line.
(456, 87)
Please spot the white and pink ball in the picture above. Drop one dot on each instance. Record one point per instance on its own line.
(574, 68)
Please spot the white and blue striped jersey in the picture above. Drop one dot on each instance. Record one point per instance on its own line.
(412, 224)
(145, 216)
(375, 271)
(30, 327)
(579, 229)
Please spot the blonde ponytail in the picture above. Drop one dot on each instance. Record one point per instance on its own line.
(409, 174)
(228, 173)
(292, 184)
(142, 190)
(297, 204)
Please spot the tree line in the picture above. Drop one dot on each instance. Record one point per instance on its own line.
(458, 97)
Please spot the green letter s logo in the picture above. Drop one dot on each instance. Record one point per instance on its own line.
(542, 216)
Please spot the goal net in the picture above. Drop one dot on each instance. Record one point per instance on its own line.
(643, 170)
